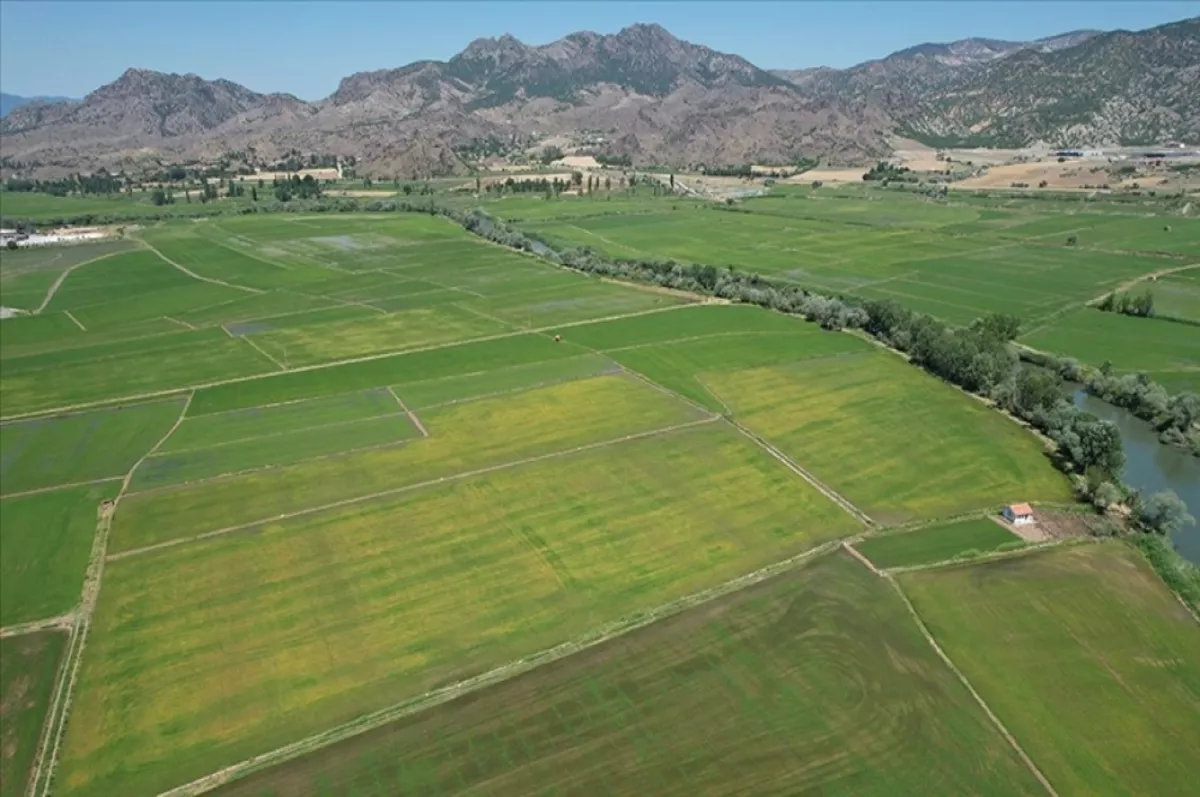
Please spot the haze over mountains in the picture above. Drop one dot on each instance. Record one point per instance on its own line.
(648, 96)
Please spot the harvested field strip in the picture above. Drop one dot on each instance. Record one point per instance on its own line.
(410, 329)
(537, 555)
(939, 543)
(207, 431)
(103, 352)
(813, 681)
(686, 323)
(469, 387)
(47, 538)
(463, 437)
(408, 488)
(195, 465)
(896, 442)
(95, 445)
(1084, 654)
(450, 359)
(144, 374)
(28, 667)
(123, 275)
(311, 381)
(244, 308)
(684, 366)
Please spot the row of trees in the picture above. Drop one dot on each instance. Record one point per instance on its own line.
(1176, 417)
(99, 184)
(1141, 304)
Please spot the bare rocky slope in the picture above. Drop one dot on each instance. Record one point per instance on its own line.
(647, 95)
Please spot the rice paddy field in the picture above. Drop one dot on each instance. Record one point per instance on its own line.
(1166, 350)
(28, 668)
(949, 259)
(938, 543)
(820, 670)
(1084, 655)
(266, 479)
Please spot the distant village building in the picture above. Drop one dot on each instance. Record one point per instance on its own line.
(1018, 514)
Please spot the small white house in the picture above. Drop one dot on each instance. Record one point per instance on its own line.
(1018, 514)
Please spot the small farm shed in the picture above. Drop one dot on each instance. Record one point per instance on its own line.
(1018, 514)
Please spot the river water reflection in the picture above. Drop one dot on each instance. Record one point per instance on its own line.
(1151, 466)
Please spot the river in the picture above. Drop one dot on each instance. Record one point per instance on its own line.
(1151, 466)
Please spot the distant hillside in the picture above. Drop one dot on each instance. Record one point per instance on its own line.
(9, 102)
(645, 96)
(1113, 88)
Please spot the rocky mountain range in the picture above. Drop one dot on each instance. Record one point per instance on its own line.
(644, 94)
(9, 102)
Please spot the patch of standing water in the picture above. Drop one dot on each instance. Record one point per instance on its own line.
(1151, 466)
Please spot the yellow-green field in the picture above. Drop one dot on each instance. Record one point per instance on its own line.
(816, 682)
(895, 441)
(214, 651)
(358, 457)
(1085, 656)
(463, 437)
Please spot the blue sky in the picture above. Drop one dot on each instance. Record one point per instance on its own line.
(305, 48)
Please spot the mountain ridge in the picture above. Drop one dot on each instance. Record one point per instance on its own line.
(652, 97)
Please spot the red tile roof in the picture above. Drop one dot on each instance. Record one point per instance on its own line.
(1021, 509)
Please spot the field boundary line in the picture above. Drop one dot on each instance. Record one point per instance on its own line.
(504, 672)
(74, 320)
(661, 389)
(1150, 275)
(613, 371)
(337, 302)
(312, 510)
(412, 416)
(162, 488)
(1030, 765)
(37, 490)
(175, 391)
(56, 720)
(53, 289)
(791, 464)
(484, 315)
(184, 324)
(193, 274)
(224, 245)
(270, 436)
(991, 556)
(62, 622)
(259, 349)
(857, 554)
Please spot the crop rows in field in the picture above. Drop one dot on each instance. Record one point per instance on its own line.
(958, 273)
(938, 543)
(28, 667)
(310, 546)
(815, 680)
(1167, 351)
(1084, 654)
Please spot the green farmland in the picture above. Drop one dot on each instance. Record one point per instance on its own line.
(1085, 656)
(926, 546)
(774, 663)
(28, 668)
(333, 484)
(954, 262)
